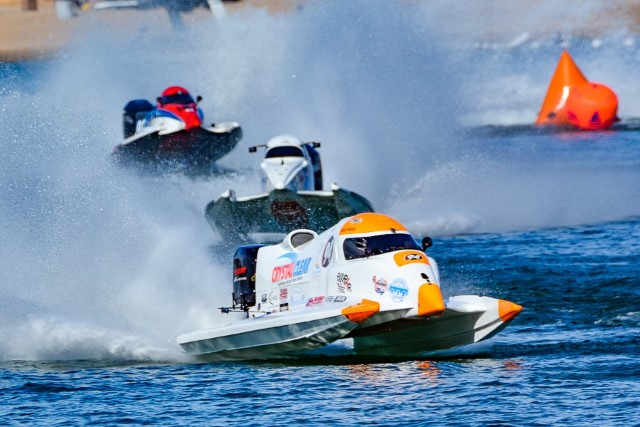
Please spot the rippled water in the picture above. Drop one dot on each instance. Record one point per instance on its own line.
(570, 358)
(100, 269)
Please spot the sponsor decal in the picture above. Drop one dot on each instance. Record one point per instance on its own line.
(284, 294)
(240, 270)
(341, 298)
(263, 298)
(410, 257)
(292, 269)
(327, 252)
(380, 285)
(398, 290)
(351, 229)
(284, 307)
(315, 301)
(344, 283)
(274, 297)
(330, 298)
(296, 296)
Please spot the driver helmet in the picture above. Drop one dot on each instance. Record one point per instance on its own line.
(175, 95)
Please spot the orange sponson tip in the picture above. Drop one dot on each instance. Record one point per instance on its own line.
(507, 310)
(592, 106)
(566, 75)
(430, 302)
(362, 311)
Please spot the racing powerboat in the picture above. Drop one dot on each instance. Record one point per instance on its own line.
(364, 285)
(171, 134)
(292, 197)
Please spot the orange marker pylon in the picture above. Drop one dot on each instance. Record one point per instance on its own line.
(566, 75)
(592, 106)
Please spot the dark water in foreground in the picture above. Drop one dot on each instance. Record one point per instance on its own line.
(101, 269)
(571, 358)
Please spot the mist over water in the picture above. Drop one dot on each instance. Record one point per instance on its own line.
(101, 263)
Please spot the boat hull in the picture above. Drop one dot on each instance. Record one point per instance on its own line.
(275, 335)
(467, 319)
(281, 211)
(195, 148)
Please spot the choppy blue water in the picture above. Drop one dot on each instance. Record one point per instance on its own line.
(571, 358)
(100, 269)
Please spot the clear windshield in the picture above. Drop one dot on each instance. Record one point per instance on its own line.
(362, 247)
(284, 151)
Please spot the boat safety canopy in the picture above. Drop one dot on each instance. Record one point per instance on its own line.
(364, 247)
(178, 98)
(283, 151)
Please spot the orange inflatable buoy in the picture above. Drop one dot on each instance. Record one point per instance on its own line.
(592, 106)
(572, 100)
(566, 75)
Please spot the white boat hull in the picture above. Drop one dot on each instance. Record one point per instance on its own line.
(466, 320)
(364, 284)
(273, 335)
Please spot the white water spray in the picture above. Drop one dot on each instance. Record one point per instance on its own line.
(100, 263)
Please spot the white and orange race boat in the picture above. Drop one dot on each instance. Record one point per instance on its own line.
(365, 282)
(573, 101)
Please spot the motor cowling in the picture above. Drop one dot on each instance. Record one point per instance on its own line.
(316, 164)
(244, 276)
(134, 110)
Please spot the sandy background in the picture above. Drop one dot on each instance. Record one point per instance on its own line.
(34, 34)
(39, 33)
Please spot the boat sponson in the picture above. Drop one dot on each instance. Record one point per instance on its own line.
(194, 146)
(466, 320)
(267, 336)
(282, 211)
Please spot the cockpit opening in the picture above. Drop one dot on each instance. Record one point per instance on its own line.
(178, 98)
(284, 151)
(363, 247)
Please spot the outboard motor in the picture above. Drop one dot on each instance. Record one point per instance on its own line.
(244, 276)
(315, 162)
(134, 110)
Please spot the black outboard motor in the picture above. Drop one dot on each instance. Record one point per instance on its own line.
(134, 110)
(244, 276)
(315, 161)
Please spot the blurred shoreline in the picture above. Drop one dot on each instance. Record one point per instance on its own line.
(38, 34)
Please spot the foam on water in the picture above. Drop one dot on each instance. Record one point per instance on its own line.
(101, 263)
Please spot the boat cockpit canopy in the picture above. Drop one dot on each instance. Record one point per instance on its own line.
(364, 247)
(178, 98)
(284, 151)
